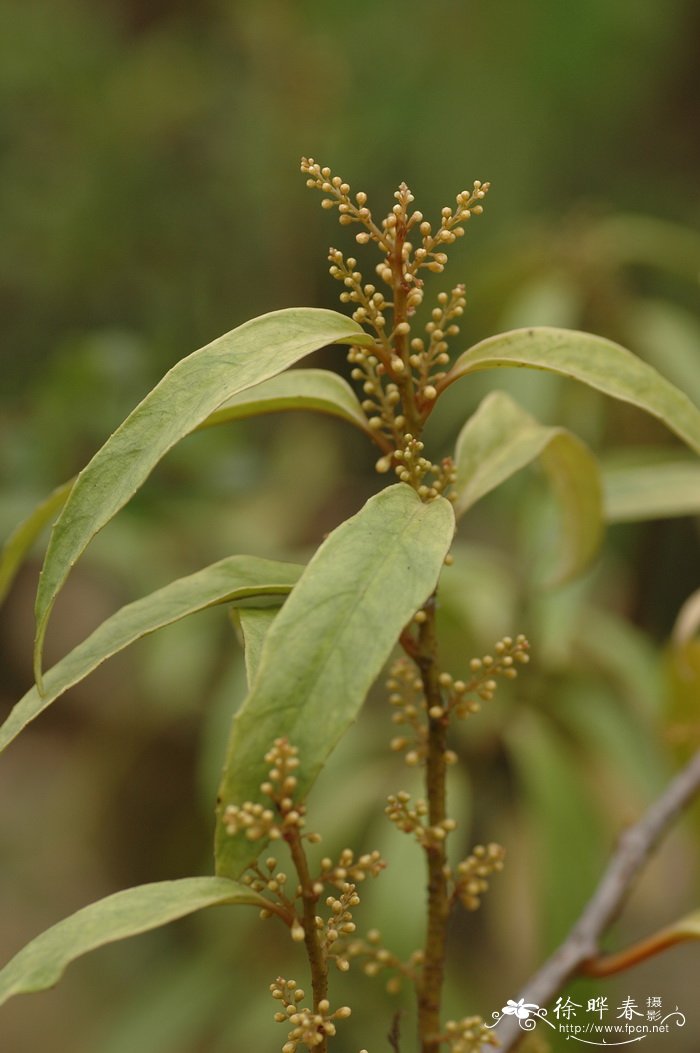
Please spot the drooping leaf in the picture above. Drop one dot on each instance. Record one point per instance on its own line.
(20, 541)
(184, 398)
(329, 642)
(42, 962)
(298, 389)
(499, 440)
(658, 490)
(593, 360)
(237, 580)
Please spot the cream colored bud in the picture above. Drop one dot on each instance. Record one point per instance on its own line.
(430, 392)
(297, 931)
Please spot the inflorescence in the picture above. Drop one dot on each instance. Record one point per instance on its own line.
(460, 698)
(401, 373)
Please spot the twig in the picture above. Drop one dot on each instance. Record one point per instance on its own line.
(395, 1032)
(635, 846)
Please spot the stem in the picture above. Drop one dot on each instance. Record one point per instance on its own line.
(314, 951)
(404, 380)
(635, 848)
(433, 972)
(607, 964)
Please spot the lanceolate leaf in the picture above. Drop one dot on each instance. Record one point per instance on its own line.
(500, 439)
(20, 541)
(42, 962)
(184, 398)
(594, 361)
(651, 491)
(298, 389)
(329, 642)
(237, 580)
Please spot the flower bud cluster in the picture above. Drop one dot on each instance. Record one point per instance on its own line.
(459, 694)
(412, 467)
(371, 306)
(309, 1028)
(468, 1035)
(400, 376)
(431, 253)
(257, 821)
(407, 696)
(427, 357)
(412, 819)
(378, 958)
(339, 923)
(381, 398)
(370, 864)
(338, 196)
(267, 878)
(470, 879)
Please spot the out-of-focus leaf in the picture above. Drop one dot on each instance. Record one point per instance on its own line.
(172, 1005)
(566, 834)
(42, 962)
(624, 654)
(20, 541)
(621, 738)
(480, 591)
(322, 653)
(687, 623)
(651, 241)
(683, 669)
(593, 360)
(499, 440)
(298, 389)
(669, 338)
(237, 579)
(182, 400)
(651, 491)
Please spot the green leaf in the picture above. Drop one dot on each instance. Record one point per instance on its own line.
(499, 440)
(184, 398)
(594, 361)
(555, 802)
(237, 579)
(254, 625)
(42, 962)
(298, 389)
(329, 642)
(20, 541)
(651, 491)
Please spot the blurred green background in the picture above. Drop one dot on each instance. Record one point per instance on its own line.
(152, 200)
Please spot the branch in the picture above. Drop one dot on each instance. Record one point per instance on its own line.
(636, 845)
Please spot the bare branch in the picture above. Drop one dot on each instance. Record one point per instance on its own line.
(633, 851)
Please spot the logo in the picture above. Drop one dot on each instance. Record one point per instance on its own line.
(597, 1024)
